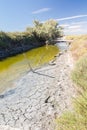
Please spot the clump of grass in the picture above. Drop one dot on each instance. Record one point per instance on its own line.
(76, 120)
(78, 48)
(71, 121)
(79, 74)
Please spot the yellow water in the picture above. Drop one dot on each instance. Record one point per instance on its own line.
(14, 67)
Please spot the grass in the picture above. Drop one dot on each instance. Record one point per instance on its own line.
(79, 74)
(77, 120)
(71, 121)
(78, 46)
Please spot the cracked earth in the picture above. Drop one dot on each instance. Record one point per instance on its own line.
(38, 98)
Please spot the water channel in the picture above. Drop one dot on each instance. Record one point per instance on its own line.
(13, 68)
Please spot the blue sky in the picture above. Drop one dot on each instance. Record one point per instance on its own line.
(16, 15)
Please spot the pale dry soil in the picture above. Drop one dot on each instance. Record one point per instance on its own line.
(38, 98)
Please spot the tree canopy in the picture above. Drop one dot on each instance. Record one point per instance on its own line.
(48, 30)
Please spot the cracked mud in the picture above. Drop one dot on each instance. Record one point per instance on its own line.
(38, 97)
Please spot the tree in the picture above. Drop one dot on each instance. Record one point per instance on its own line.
(47, 31)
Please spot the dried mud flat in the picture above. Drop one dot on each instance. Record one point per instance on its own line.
(38, 98)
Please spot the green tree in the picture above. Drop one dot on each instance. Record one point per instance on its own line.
(47, 31)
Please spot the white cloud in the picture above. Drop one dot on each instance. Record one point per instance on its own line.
(73, 17)
(70, 26)
(79, 30)
(41, 10)
(73, 31)
(64, 25)
(74, 27)
(74, 24)
(80, 23)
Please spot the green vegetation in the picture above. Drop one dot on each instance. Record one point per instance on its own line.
(77, 120)
(72, 121)
(79, 75)
(46, 31)
(38, 35)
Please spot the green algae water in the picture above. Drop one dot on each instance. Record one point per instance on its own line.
(14, 67)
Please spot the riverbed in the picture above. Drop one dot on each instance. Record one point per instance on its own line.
(37, 98)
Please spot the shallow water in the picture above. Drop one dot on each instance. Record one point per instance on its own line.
(14, 67)
(62, 45)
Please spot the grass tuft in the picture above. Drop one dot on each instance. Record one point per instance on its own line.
(79, 74)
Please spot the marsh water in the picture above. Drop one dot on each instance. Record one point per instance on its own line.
(12, 68)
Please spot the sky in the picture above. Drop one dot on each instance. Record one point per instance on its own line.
(16, 15)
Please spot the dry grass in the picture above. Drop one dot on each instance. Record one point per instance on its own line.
(78, 46)
(77, 120)
(79, 74)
